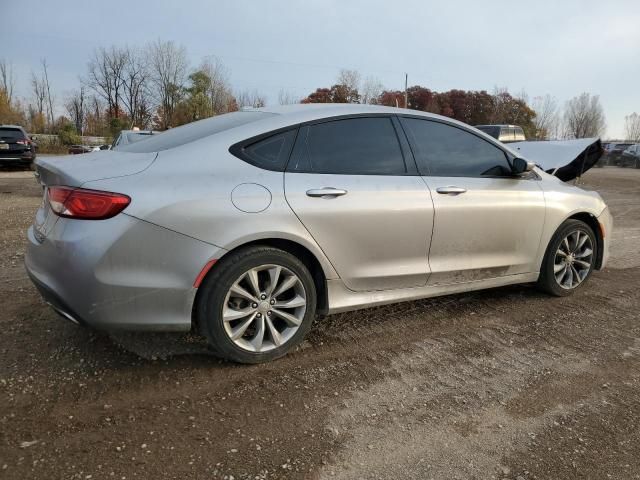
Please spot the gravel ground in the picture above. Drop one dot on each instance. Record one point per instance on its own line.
(505, 384)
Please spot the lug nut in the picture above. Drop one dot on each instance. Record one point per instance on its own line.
(259, 315)
(254, 305)
(263, 296)
(269, 313)
(272, 302)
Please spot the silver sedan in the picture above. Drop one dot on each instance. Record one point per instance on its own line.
(246, 226)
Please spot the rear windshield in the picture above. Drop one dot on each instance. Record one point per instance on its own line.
(194, 131)
(136, 137)
(493, 131)
(11, 134)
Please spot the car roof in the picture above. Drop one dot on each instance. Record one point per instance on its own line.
(17, 127)
(499, 125)
(144, 132)
(308, 112)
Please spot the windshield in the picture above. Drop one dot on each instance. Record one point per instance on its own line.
(194, 131)
(11, 134)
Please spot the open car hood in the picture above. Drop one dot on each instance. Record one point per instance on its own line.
(566, 159)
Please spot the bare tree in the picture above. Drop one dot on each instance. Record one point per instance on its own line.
(584, 117)
(372, 88)
(632, 127)
(218, 89)
(546, 119)
(77, 109)
(134, 89)
(251, 99)
(7, 80)
(285, 97)
(167, 69)
(106, 76)
(349, 80)
(45, 76)
(39, 91)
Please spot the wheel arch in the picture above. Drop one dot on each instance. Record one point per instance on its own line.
(592, 221)
(294, 248)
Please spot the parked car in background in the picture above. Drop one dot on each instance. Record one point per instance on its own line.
(97, 148)
(631, 156)
(504, 133)
(127, 137)
(16, 148)
(245, 225)
(614, 154)
(77, 149)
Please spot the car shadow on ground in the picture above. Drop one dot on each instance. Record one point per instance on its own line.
(124, 350)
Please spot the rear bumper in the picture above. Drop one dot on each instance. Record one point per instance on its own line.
(26, 156)
(121, 273)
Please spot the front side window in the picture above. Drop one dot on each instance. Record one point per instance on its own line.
(446, 151)
(355, 146)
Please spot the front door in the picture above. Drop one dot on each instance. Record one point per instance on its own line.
(488, 223)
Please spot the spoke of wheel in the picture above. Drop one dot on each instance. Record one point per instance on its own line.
(585, 253)
(565, 242)
(562, 274)
(230, 314)
(287, 317)
(561, 253)
(295, 302)
(274, 277)
(558, 266)
(238, 291)
(286, 284)
(252, 276)
(581, 242)
(258, 339)
(582, 263)
(275, 335)
(239, 331)
(569, 278)
(576, 275)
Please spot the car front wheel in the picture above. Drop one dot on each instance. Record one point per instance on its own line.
(569, 259)
(256, 304)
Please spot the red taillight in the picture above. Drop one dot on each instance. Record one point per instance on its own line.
(23, 142)
(86, 204)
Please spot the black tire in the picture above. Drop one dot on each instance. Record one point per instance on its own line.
(213, 291)
(547, 280)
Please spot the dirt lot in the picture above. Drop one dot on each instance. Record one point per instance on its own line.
(507, 383)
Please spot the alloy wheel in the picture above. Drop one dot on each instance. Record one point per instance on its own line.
(573, 259)
(264, 308)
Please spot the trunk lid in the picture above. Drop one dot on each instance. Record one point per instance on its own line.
(75, 170)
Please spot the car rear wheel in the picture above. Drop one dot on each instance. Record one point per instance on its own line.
(569, 259)
(256, 304)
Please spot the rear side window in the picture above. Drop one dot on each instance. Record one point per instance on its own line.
(11, 134)
(355, 146)
(506, 134)
(270, 153)
(446, 151)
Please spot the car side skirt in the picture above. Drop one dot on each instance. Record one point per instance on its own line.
(341, 299)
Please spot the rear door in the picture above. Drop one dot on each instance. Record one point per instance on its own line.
(357, 192)
(488, 223)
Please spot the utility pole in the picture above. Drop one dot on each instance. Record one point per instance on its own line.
(406, 96)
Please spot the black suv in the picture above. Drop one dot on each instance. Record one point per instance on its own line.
(16, 148)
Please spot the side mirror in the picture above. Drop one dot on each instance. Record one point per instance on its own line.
(520, 166)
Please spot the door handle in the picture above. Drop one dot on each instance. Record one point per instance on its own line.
(326, 192)
(451, 190)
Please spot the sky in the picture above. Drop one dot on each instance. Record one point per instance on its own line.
(562, 48)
